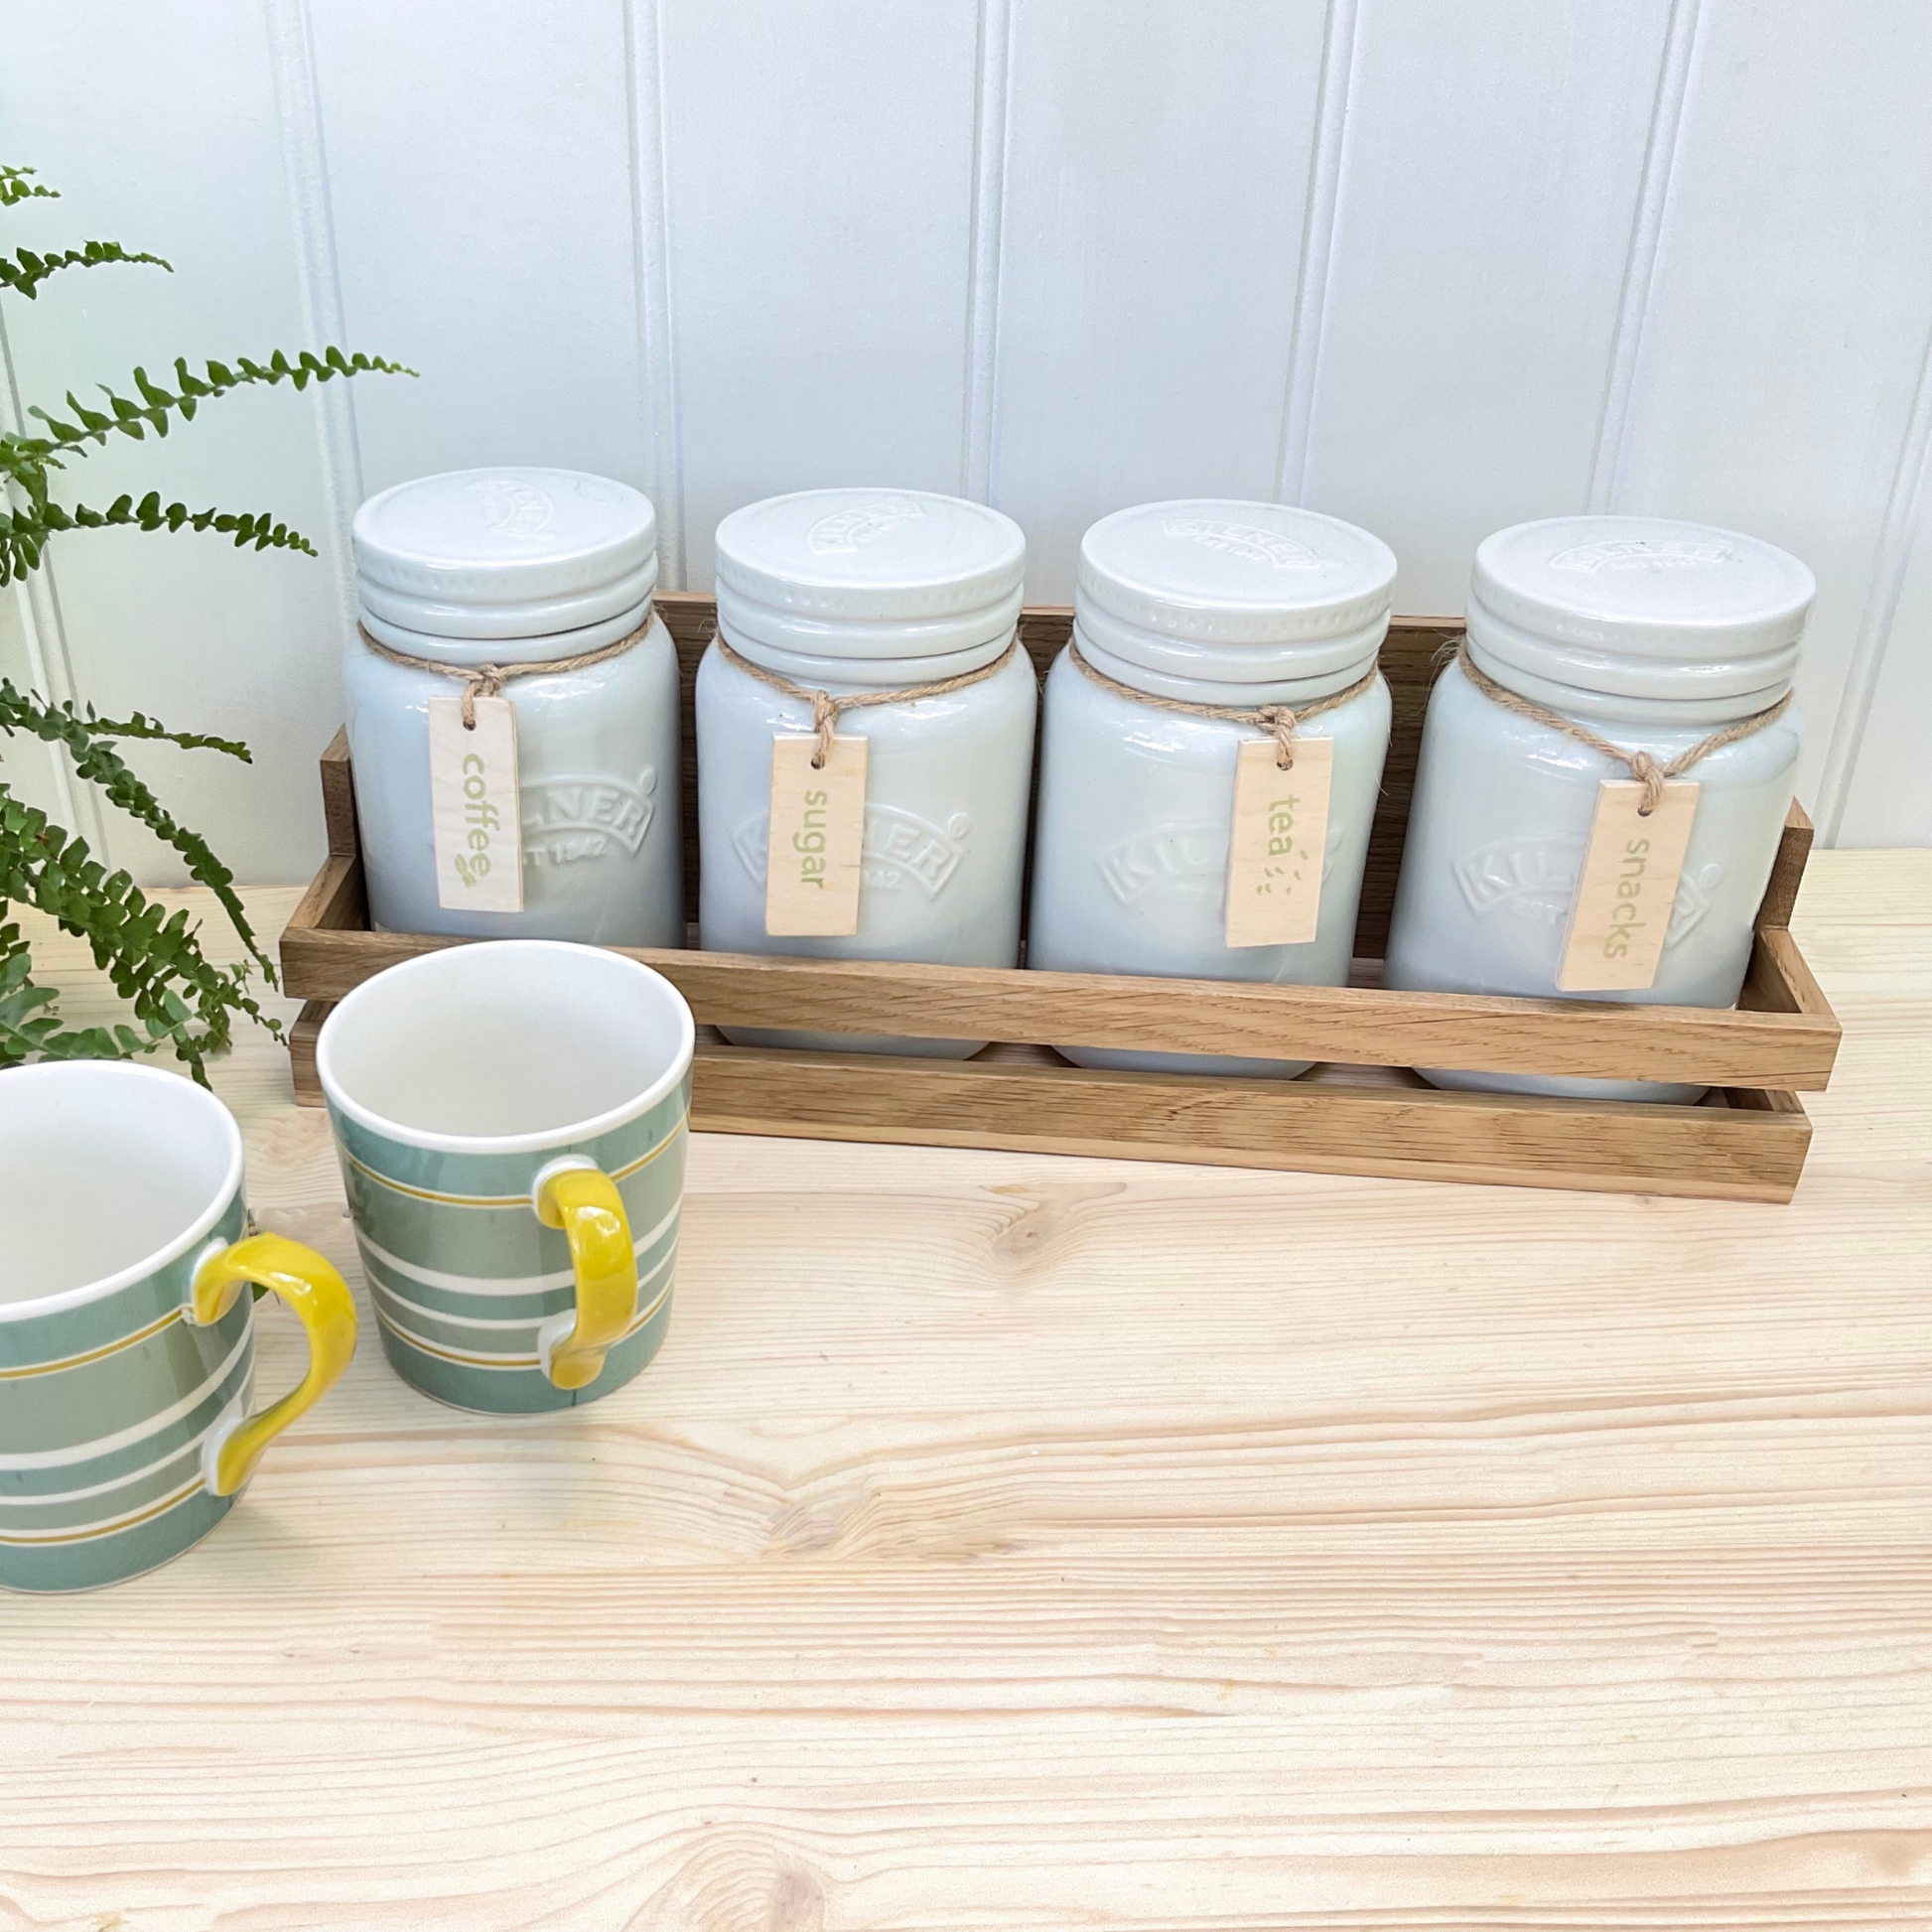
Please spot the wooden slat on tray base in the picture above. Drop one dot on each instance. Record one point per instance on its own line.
(1788, 1044)
(1309, 1126)
(1337, 1120)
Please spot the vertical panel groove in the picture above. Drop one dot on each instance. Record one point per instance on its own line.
(650, 192)
(50, 667)
(305, 159)
(993, 110)
(1640, 263)
(1317, 249)
(1891, 558)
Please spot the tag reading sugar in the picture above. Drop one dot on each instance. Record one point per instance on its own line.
(1621, 912)
(1279, 838)
(818, 824)
(474, 808)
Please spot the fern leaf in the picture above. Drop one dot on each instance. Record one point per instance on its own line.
(26, 271)
(92, 427)
(95, 760)
(16, 185)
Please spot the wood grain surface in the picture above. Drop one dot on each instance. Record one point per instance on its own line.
(1006, 1541)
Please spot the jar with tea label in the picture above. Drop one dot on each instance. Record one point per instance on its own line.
(1604, 775)
(1212, 744)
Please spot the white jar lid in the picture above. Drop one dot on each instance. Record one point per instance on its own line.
(1232, 593)
(1638, 608)
(869, 574)
(504, 553)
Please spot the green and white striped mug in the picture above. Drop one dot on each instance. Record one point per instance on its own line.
(127, 1342)
(510, 1120)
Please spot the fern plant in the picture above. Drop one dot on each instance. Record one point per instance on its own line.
(153, 959)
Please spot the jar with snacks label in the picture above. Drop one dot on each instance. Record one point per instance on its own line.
(1604, 775)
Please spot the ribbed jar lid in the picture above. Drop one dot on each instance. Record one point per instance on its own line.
(1638, 608)
(504, 553)
(869, 574)
(1223, 592)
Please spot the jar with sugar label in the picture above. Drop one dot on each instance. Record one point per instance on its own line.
(1604, 775)
(866, 739)
(1212, 746)
(513, 710)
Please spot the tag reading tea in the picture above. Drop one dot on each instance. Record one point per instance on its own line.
(473, 807)
(1628, 885)
(818, 823)
(1280, 836)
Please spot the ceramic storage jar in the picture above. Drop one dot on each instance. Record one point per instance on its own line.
(1651, 636)
(1227, 606)
(513, 569)
(855, 593)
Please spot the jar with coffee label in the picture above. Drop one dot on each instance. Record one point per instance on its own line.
(512, 709)
(1604, 777)
(1212, 744)
(866, 739)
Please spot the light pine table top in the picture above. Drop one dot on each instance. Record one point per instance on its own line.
(1005, 1542)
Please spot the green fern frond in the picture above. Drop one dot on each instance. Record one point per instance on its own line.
(95, 760)
(17, 184)
(23, 534)
(178, 997)
(30, 1031)
(126, 417)
(26, 271)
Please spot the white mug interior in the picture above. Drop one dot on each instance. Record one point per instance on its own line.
(508, 1041)
(107, 1171)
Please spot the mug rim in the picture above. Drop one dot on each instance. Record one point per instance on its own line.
(540, 1139)
(199, 1229)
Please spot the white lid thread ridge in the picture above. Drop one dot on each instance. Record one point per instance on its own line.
(1640, 764)
(1278, 721)
(826, 707)
(487, 680)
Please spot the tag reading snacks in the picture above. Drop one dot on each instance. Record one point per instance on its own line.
(1281, 833)
(818, 823)
(473, 807)
(1628, 883)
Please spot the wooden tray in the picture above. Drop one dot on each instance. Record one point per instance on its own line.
(1360, 1112)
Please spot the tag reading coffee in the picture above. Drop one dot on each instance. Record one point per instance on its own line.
(473, 807)
(1280, 836)
(818, 823)
(1628, 885)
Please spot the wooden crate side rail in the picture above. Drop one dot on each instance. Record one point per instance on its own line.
(1752, 1149)
(1711, 1152)
(1790, 1044)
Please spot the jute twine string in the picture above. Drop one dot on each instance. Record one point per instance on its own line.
(826, 708)
(1277, 719)
(1641, 765)
(487, 680)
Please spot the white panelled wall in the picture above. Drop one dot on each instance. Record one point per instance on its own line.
(1431, 265)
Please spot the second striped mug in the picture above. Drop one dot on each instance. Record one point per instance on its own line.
(510, 1120)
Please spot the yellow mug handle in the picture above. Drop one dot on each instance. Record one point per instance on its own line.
(585, 1204)
(322, 1304)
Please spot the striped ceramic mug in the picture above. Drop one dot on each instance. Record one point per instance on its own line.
(127, 1345)
(510, 1120)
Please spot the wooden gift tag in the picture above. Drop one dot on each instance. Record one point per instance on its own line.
(1280, 836)
(818, 824)
(1621, 911)
(474, 807)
